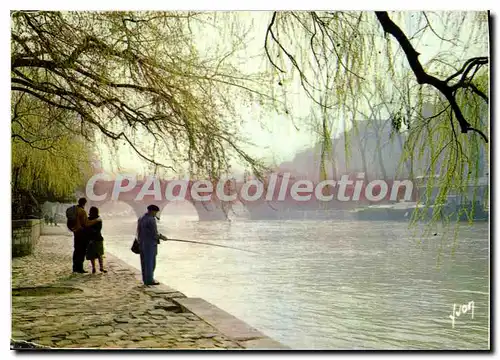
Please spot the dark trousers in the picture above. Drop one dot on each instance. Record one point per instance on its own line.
(80, 244)
(148, 262)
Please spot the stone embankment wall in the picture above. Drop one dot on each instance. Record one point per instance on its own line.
(25, 235)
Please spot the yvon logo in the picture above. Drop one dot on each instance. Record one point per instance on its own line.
(461, 309)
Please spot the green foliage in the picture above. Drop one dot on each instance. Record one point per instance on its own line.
(454, 163)
(49, 163)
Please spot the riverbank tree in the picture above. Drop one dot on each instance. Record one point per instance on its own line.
(50, 160)
(139, 79)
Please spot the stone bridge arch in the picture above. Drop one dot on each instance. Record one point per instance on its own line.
(206, 210)
(101, 192)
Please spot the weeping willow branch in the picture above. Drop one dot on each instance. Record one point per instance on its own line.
(132, 76)
(424, 78)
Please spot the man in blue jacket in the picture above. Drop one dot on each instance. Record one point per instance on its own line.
(149, 238)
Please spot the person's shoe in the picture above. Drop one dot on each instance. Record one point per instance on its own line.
(81, 271)
(153, 283)
(93, 271)
(103, 271)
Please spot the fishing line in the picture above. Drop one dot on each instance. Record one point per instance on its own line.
(210, 244)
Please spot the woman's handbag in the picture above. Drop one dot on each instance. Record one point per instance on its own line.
(135, 247)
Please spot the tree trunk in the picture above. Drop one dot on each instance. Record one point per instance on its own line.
(381, 159)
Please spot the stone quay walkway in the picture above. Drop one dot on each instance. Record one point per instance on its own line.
(113, 309)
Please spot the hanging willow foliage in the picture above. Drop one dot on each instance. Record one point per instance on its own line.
(454, 164)
(138, 78)
(49, 163)
(377, 59)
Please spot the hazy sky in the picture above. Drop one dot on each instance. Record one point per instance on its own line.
(281, 140)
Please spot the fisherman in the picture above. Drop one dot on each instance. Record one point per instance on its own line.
(149, 238)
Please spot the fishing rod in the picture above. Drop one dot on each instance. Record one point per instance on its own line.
(210, 244)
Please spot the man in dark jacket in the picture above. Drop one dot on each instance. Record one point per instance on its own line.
(80, 238)
(149, 238)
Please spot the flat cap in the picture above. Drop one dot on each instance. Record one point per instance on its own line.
(153, 208)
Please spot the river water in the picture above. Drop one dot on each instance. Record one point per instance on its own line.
(330, 284)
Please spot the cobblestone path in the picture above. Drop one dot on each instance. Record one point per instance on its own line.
(112, 310)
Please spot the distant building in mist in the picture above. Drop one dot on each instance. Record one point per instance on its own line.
(374, 149)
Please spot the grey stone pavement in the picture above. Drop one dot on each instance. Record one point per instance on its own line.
(111, 310)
